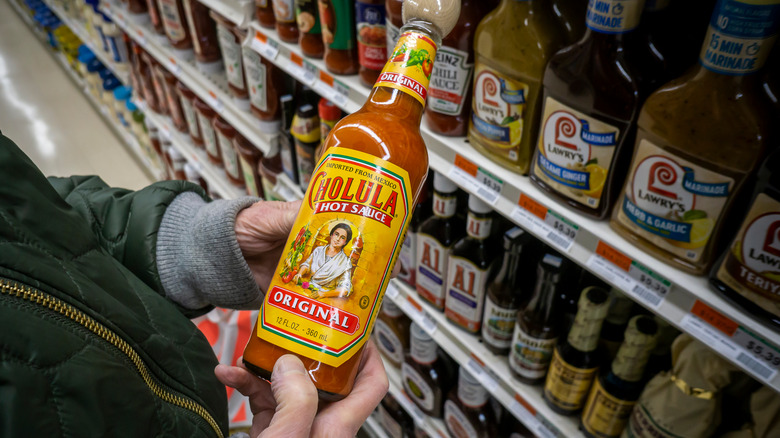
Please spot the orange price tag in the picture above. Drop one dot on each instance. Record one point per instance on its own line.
(478, 360)
(261, 37)
(533, 206)
(525, 404)
(466, 165)
(616, 257)
(414, 303)
(296, 59)
(328, 79)
(714, 318)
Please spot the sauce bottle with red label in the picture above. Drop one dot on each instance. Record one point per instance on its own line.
(749, 271)
(467, 269)
(408, 256)
(326, 291)
(449, 100)
(700, 138)
(264, 11)
(204, 37)
(371, 39)
(435, 238)
(591, 102)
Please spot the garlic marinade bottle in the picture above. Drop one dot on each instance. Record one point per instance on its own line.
(615, 392)
(435, 238)
(424, 374)
(467, 269)
(325, 293)
(536, 330)
(467, 412)
(509, 284)
(699, 140)
(576, 361)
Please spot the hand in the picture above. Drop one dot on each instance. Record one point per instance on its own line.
(288, 406)
(261, 231)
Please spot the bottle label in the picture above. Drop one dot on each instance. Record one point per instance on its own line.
(229, 156)
(752, 265)
(231, 55)
(643, 424)
(449, 81)
(530, 357)
(304, 155)
(188, 13)
(470, 392)
(393, 429)
(613, 16)
(740, 36)
(172, 22)
(324, 296)
(567, 386)
(392, 32)
(337, 18)
(478, 227)
(268, 190)
(371, 36)
(284, 11)
(249, 177)
(308, 16)
(431, 268)
(444, 205)
(465, 293)
(457, 423)
(498, 107)
(209, 136)
(417, 388)
(189, 115)
(390, 309)
(498, 324)
(574, 153)
(255, 78)
(408, 258)
(410, 66)
(388, 342)
(672, 202)
(605, 415)
(422, 347)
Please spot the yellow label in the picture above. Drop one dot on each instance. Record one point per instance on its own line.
(605, 416)
(566, 386)
(410, 66)
(325, 294)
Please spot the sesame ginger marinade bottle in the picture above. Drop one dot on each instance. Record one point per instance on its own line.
(328, 286)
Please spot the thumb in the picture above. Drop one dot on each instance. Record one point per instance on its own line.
(296, 400)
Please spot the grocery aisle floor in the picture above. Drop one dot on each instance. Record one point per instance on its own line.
(44, 112)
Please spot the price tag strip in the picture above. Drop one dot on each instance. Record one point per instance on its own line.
(268, 48)
(524, 412)
(476, 179)
(629, 275)
(554, 228)
(331, 89)
(732, 340)
(477, 369)
(297, 69)
(415, 311)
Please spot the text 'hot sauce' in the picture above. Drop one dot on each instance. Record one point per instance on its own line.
(328, 287)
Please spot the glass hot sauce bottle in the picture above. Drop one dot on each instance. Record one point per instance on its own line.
(591, 102)
(354, 214)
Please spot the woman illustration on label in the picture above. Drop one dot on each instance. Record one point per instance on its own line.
(328, 268)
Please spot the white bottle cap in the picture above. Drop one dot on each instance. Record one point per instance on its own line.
(477, 206)
(443, 184)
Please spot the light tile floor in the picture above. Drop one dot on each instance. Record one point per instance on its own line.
(46, 114)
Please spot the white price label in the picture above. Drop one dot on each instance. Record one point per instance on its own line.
(482, 375)
(765, 356)
(266, 47)
(638, 281)
(173, 67)
(487, 193)
(413, 310)
(524, 415)
(560, 234)
(392, 291)
(311, 74)
(215, 102)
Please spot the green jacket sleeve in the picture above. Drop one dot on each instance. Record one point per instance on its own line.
(125, 222)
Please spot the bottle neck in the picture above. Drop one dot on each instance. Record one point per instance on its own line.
(402, 86)
(540, 307)
(609, 21)
(640, 340)
(478, 225)
(586, 328)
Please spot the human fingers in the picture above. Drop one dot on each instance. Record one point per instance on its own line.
(349, 414)
(296, 400)
(264, 226)
(258, 391)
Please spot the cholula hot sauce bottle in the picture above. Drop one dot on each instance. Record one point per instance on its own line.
(328, 285)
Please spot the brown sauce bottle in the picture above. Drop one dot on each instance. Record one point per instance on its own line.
(393, 21)
(371, 39)
(204, 37)
(591, 103)
(284, 15)
(187, 99)
(449, 100)
(467, 412)
(424, 374)
(176, 29)
(264, 11)
(154, 17)
(337, 18)
(392, 333)
(230, 161)
(174, 103)
(307, 15)
(265, 81)
(230, 45)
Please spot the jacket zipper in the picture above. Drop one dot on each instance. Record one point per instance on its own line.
(35, 296)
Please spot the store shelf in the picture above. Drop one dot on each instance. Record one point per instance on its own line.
(432, 426)
(80, 30)
(523, 401)
(212, 89)
(239, 12)
(685, 300)
(123, 134)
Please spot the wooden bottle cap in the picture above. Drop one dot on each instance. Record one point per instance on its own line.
(441, 13)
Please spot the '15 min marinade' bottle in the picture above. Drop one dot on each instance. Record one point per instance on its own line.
(326, 290)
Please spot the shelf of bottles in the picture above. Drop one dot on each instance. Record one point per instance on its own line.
(685, 300)
(434, 427)
(123, 133)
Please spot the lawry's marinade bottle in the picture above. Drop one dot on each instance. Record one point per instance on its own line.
(325, 293)
(700, 137)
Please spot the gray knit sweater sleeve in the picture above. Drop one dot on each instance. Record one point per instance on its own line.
(198, 257)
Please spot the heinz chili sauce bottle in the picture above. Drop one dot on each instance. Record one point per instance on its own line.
(328, 286)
